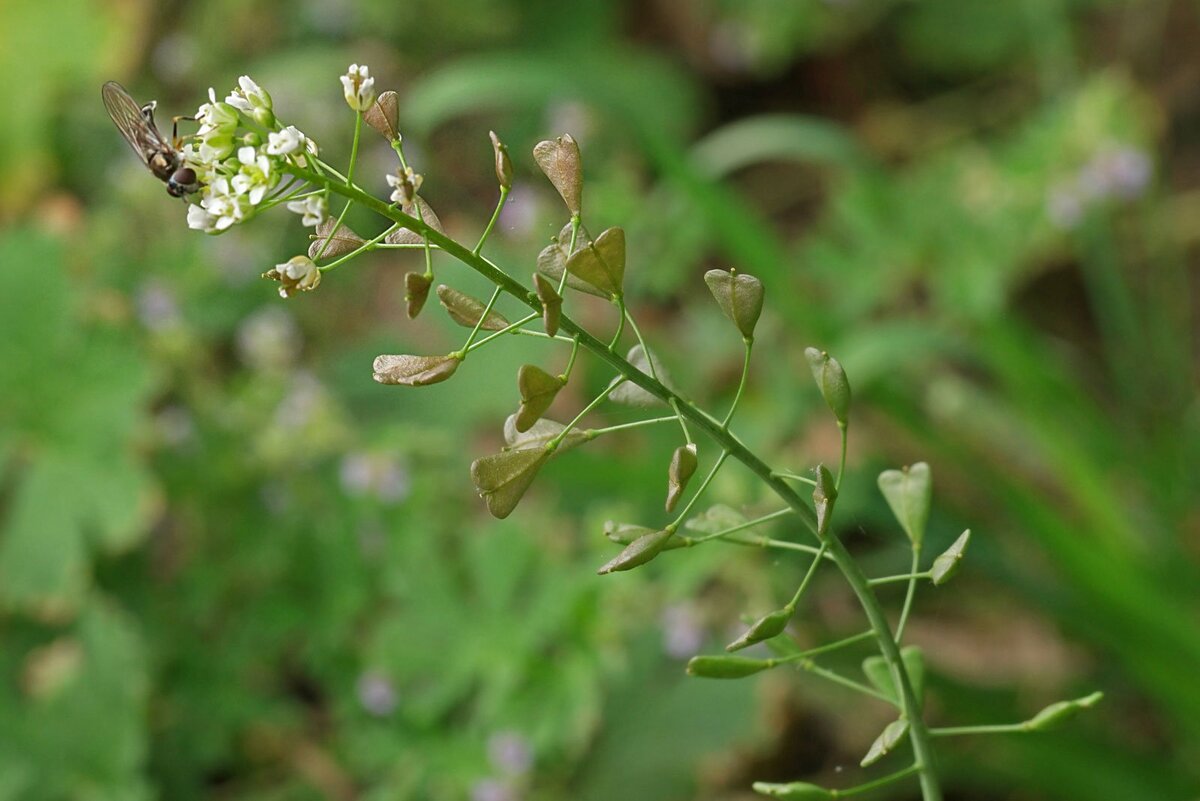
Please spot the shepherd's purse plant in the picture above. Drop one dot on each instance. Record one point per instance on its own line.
(243, 160)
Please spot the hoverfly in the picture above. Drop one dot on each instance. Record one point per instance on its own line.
(136, 124)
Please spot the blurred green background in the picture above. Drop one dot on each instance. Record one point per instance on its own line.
(233, 567)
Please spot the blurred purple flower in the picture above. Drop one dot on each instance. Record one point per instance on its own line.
(683, 632)
(376, 694)
(156, 306)
(510, 753)
(492, 790)
(378, 475)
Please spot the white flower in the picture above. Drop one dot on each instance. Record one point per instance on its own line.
(359, 87)
(248, 96)
(297, 274)
(285, 142)
(404, 185)
(256, 175)
(200, 220)
(313, 208)
(223, 203)
(216, 117)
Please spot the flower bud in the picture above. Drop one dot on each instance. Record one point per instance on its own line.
(264, 117)
(414, 371)
(404, 183)
(683, 466)
(416, 290)
(831, 380)
(551, 303)
(908, 492)
(503, 478)
(638, 552)
(358, 87)
(538, 390)
(793, 791)
(466, 310)
(251, 139)
(768, 626)
(559, 159)
(384, 116)
(504, 168)
(727, 667)
(740, 297)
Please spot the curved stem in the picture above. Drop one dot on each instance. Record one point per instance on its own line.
(888, 647)
(492, 222)
(912, 591)
(741, 384)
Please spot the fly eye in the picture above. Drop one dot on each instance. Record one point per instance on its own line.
(184, 176)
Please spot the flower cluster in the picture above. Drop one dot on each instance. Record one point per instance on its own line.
(236, 168)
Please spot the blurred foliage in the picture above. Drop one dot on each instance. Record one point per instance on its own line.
(233, 566)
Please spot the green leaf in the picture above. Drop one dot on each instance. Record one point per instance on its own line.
(559, 159)
(908, 492)
(679, 473)
(740, 297)
(946, 565)
(538, 390)
(768, 626)
(638, 552)
(466, 310)
(831, 380)
(414, 371)
(774, 138)
(727, 667)
(876, 669)
(551, 302)
(601, 263)
(886, 742)
(503, 478)
(793, 791)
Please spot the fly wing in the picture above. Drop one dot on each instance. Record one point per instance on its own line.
(143, 137)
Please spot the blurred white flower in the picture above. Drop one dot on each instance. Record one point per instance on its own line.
(359, 87)
(683, 633)
(248, 96)
(156, 306)
(378, 475)
(405, 184)
(312, 209)
(268, 338)
(286, 142)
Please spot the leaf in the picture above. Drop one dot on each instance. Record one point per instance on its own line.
(891, 736)
(503, 478)
(876, 669)
(559, 159)
(466, 310)
(631, 394)
(740, 297)
(768, 626)
(726, 667)
(538, 390)
(540, 433)
(416, 292)
(831, 380)
(414, 371)
(776, 138)
(601, 263)
(638, 552)
(340, 243)
(908, 493)
(679, 473)
(946, 565)
(406, 236)
(384, 116)
(551, 303)
(552, 262)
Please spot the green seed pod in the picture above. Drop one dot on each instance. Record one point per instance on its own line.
(601, 263)
(406, 236)
(793, 791)
(504, 168)
(740, 297)
(466, 310)
(946, 565)
(908, 492)
(831, 380)
(727, 667)
(340, 243)
(538, 389)
(503, 478)
(559, 159)
(626, 533)
(551, 303)
(252, 139)
(638, 552)
(1058, 712)
(264, 117)
(824, 495)
(540, 434)
(414, 371)
(884, 744)
(768, 626)
(683, 466)
(416, 292)
(384, 116)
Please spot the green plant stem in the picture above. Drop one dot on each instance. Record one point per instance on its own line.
(566, 373)
(859, 584)
(504, 190)
(554, 443)
(716, 535)
(875, 582)
(479, 323)
(911, 592)
(620, 325)
(511, 328)
(562, 279)
(349, 181)
(541, 335)
(794, 477)
(993, 728)
(592, 433)
(699, 491)
(809, 666)
(370, 244)
(844, 427)
(741, 384)
(649, 361)
(877, 783)
(808, 577)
